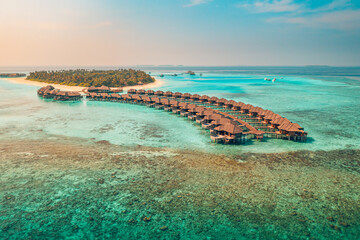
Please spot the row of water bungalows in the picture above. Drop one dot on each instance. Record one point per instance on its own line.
(228, 121)
(50, 92)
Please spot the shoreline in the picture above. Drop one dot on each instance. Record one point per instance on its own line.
(22, 80)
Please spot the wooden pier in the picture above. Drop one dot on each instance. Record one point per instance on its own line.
(228, 121)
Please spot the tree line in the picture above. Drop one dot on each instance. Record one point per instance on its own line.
(97, 78)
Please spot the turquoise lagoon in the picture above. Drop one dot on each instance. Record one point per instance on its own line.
(159, 179)
(327, 106)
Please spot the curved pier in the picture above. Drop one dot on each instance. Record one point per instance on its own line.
(228, 121)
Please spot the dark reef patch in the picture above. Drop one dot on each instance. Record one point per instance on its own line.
(99, 190)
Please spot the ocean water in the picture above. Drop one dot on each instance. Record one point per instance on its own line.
(325, 101)
(101, 170)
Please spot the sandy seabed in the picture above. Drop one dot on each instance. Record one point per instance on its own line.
(80, 189)
(158, 83)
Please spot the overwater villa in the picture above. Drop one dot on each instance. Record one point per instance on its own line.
(228, 121)
(50, 92)
(102, 89)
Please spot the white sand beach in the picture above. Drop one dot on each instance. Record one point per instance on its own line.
(22, 80)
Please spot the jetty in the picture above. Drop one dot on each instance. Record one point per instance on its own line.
(228, 121)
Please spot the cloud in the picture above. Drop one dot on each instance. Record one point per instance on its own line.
(336, 4)
(196, 2)
(271, 6)
(343, 20)
(336, 14)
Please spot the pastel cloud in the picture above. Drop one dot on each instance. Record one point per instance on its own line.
(336, 14)
(344, 20)
(271, 6)
(196, 2)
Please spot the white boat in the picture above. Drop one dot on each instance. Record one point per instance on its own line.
(274, 80)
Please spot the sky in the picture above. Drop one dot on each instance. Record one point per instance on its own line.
(179, 32)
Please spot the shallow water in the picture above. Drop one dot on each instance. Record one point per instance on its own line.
(326, 106)
(70, 188)
(99, 170)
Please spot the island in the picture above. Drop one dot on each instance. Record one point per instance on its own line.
(95, 78)
(12, 75)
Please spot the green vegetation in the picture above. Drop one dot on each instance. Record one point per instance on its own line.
(97, 78)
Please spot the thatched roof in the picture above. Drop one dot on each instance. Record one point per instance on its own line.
(126, 96)
(205, 112)
(262, 112)
(221, 100)
(165, 101)
(156, 99)
(141, 91)
(229, 128)
(177, 94)
(74, 94)
(174, 103)
(186, 95)
(230, 102)
(132, 91)
(289, 127)
(247, 106)
(191, 107)
(199, 109)
(136, 97)
(159, 93)
(168, 93)
(222, 121)
(204, 97)
(146, 99)
(255, 109)
(213, 99)
(195, 96)
(213, 116)
(104, 95)
(239, 104)
(183, 105)
(280, 121)
(150, 92)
